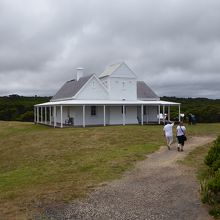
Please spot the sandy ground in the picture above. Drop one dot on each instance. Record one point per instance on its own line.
(158, 188)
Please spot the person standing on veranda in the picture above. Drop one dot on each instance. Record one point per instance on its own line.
(180, 134)
(168, 133)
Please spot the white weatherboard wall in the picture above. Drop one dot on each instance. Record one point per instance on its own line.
(58, 114)
(105, 82)
(113, 115)
(123, 71)
(150, 116)
(121, 84)
(77, 113)
(152, 112)
(70, 112)
(122, 88)
(107, 113)
(93, 90)
(67, 112)
(131, 115)
(97, 119)
(116, 116)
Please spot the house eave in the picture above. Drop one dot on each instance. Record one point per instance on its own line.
(107, 102)
(61, 99)
(149, 99)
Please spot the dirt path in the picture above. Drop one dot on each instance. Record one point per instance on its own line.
(158, 188)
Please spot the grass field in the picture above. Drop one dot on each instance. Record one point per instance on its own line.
(40, 165)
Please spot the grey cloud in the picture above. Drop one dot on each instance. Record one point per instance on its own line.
(169, 44)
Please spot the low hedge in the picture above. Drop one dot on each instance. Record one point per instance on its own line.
(210, 186)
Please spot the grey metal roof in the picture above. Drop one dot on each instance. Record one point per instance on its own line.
(110, 69)
(144, 92)
(70, 88)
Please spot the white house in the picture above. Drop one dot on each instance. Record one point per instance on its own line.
(114, 97)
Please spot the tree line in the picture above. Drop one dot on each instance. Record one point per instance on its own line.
(204, 109)
(21, 108)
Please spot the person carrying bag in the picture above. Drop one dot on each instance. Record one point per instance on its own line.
(181, 136)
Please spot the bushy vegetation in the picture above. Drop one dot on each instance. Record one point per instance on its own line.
(213, 157)
(210, 186)
(205, 110)
(19, 108)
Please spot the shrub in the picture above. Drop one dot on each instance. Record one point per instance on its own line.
(215, 211)
(206, 193)
(216, 164)
(27, 116)
(213, 154)
(214, 182)
(210, 187)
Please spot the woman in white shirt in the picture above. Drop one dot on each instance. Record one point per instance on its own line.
(180, 134)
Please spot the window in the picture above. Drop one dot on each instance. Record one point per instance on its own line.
(93, 110)
(145, 110)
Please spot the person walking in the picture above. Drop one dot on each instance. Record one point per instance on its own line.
(181, 135)
(168, 133)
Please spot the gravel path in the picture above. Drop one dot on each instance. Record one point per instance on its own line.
(158, 188)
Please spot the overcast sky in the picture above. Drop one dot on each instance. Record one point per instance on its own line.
(173, 45)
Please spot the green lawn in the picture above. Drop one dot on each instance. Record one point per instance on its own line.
(43, 164)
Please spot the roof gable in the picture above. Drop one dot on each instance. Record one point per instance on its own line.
(92, 89)
(118, 70)
(70, 88)
(144, 92)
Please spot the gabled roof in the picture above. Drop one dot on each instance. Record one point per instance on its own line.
(118, 70)
(110, 69)
(70, 88)
(89, 92)
(144, 92)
